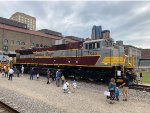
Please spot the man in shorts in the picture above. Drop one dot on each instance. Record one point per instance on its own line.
(125, 88)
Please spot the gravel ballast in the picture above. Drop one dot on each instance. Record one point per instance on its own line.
(32, 96)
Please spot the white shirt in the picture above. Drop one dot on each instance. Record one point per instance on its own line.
(4, 67)
(22, 69)
(37, 75)
(65, 86)
(74, 84)
(11, 71)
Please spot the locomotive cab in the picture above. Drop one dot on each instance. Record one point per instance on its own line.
(97, 44)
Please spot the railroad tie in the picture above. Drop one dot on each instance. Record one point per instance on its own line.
(7, 102)
(12, 104)
(22, 110)
(2, 111)
(15, 107)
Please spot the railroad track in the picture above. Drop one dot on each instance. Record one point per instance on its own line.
(140, 87)
(5, 108)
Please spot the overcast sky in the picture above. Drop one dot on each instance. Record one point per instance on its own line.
(128, 21)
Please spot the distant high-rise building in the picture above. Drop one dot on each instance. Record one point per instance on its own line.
(26, 19)
(105, 34)
(96, 32)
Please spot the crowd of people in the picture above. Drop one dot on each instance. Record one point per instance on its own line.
(113, 92)
(59, 78)
(60, 81)
(7, 72)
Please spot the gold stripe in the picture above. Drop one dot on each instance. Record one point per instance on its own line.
(68, 56)
(113, 60)
(54, 51)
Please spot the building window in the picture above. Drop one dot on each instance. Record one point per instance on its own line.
(5, 41)
(18, 43)
(12, 42)
(45, 46)
(5, 48)
(32, 44)
(41, 45)
(37, 45)
(22, 43)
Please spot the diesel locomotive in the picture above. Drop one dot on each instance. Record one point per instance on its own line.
(99, 59)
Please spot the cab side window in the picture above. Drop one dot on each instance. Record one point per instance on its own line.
(86, 46)
(92, 45)
(98, 44)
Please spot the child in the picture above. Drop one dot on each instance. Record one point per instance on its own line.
(117, 93)
(74, 86)
(111, 88)
(37, 76)
(65, 87)
(62, 79)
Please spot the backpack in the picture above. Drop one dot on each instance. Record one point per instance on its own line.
(112, 87)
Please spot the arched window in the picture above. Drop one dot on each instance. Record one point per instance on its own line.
(41, 45)
(5, 41)
(22, 43)
(5, 48)
(18, 42)
(37, 45)
(32, 44)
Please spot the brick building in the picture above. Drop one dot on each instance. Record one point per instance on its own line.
(144, 63)
(69, 39)
(12, 23)
(145, 54)
(50, 32)
(13, 38)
